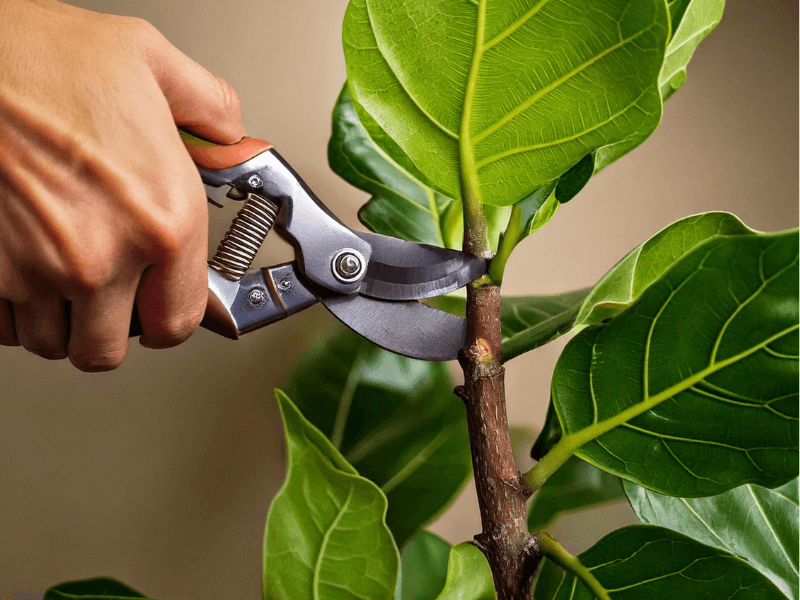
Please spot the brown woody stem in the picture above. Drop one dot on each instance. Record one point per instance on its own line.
(512, 552)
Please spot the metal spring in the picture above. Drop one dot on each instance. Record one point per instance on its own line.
(241, 243)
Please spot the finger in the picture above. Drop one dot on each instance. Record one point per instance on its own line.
(41, 326)
(99, 324)
(199, 101)
(171, 299)
(8, 336)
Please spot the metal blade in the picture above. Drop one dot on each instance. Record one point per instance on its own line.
(402, 270)
(408, 328)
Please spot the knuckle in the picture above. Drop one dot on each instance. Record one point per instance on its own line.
(86, 274)
(98, 361)
(143, 33)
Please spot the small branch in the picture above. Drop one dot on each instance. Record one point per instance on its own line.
(550, 463)
(555, 552)
(508, 242)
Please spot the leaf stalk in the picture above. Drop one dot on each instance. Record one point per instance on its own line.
(556, 552)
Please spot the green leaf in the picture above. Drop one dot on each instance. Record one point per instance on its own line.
(550, 434)
(326, 534)
(528, 322)
(401, 206)
(96, 588)
(452, 91)
(424, 567)
(468, 575)
(644, 265)
(692, 391)
(692, 21)
(395, 419)
(643, 561)
(750, 521)
(576, 485)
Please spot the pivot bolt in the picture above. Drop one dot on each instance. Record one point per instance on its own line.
(348, 265)
(255, 182)
(257, 298)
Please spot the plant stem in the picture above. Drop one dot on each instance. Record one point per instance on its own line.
(510, 549)
(550, 463)
(555, 552)
(507, 243)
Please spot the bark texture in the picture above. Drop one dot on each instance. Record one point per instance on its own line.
(512, 552)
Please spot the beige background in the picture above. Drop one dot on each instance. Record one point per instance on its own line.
(161, 473)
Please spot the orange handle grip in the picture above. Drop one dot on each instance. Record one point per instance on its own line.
(219, 156)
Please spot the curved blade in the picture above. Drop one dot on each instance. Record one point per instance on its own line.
(403, 270)
(408, 328)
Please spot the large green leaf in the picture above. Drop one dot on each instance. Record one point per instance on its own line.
(326, 535)
(507, 96)
(692, 21)
(531, 321)
(96, 588)
(750, 521)
(468, 575)
(395, 419)
(645, 264)
(424, 567)
(576, 485)
(692, 391)
(643, 561)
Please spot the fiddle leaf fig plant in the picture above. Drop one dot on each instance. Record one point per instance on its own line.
(469, 122)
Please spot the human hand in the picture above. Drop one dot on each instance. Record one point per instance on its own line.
(100, 203)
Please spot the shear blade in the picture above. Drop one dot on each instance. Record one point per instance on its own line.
(403, 270)
(408, 328)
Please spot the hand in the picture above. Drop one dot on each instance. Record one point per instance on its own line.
(100, 204)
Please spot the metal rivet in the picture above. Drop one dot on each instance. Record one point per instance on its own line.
(255, 182)
(285, 286)
(257, 298)
(348, 265)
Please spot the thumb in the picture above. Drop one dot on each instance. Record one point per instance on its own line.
(201, 102)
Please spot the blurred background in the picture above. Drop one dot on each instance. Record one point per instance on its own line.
(160, 473)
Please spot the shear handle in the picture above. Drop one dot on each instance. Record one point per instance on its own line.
(216, 157)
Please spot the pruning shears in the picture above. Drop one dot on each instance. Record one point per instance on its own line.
(372, 283)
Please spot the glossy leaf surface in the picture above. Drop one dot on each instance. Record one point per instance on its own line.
(326, 535)
(576, 485)
(643, 561)
(755, 523)
(528, 322)
(395, 419)
(644, 265)
(400, 206)
(424, 567)
(713, 341)
(445, 87)
(468, 575)
(96, 588)
(550, 434)
(692, 21)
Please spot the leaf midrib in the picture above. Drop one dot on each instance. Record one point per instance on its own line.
(326, 539)
(772, 530)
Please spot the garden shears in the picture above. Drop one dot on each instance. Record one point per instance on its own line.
(372, 283)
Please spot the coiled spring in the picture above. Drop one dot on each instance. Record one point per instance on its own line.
(241, 243)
